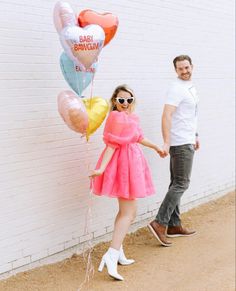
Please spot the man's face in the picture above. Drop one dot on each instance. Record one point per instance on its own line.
(184, 70)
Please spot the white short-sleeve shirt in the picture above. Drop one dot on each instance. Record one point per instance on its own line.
(183, 95)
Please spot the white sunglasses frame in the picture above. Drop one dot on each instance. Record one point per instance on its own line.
(131, 97)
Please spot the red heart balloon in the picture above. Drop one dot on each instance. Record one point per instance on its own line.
(107, 21)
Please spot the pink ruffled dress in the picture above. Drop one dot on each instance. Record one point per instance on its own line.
(127, 175)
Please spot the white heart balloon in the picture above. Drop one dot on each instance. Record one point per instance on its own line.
(83, 45)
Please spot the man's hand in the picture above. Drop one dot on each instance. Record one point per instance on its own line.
(160, 152)
(197, 145)
(166, 149)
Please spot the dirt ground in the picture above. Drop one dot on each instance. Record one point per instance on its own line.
(203, 262)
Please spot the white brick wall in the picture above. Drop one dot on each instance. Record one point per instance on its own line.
(44, 190)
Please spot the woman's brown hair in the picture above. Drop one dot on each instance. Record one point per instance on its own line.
(123, 87)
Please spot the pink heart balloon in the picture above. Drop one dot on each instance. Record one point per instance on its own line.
(63, 16)
(83, 45)
(73, 111)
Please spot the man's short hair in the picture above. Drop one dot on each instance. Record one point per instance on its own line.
(182, 58)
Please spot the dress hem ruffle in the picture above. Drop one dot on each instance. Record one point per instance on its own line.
(123, 197)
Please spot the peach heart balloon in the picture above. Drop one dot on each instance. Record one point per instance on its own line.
(73, 111)
(108, 21)
(97, 109)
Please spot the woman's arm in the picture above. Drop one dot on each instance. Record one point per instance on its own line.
(109, 151)
(147, 143)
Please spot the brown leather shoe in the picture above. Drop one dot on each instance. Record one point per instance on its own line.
(175, 231)
(159, 231)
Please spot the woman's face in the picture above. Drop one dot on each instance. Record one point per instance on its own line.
(124, 101)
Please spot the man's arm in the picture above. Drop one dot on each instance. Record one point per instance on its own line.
(166, 126)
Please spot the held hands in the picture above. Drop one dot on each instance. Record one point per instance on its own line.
(164, 152)
(166, 149)
(160, 152)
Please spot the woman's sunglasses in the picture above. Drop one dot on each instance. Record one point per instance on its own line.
(122, 100)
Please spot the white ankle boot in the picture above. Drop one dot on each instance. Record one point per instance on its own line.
(110, 259)
(123, 260)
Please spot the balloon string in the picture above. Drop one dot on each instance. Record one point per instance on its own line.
(87, 247)
(91, 91)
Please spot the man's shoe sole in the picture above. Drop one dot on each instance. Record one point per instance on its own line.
(157, 237)
(178, 235)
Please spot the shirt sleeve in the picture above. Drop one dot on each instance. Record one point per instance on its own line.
(174, 96)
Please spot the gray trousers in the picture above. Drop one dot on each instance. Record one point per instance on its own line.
(181, 160)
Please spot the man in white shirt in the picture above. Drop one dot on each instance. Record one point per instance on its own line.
(179, 130)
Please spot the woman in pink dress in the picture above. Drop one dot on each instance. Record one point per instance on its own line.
(122, 172)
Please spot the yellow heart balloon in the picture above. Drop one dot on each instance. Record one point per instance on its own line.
(97, 109)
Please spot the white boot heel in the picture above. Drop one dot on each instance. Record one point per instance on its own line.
(110, 259)
(101, 266)
(123, 260)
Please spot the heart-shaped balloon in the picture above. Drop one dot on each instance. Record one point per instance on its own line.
(76, 78)
(108, 21)
(97, 109)
(83, 45)
(63, 15)
(73, 111)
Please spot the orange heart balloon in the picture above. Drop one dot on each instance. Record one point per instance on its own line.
(108, 21)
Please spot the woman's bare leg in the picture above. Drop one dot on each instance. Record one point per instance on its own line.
(124, 218)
